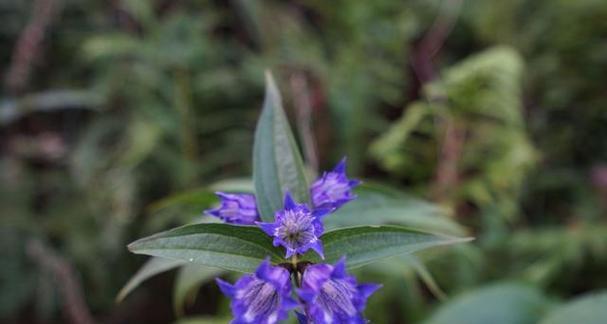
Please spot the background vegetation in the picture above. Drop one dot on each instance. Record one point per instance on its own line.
(116, 117)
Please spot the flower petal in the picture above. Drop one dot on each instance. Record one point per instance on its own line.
(262, 297)
(330, 295)
(225, 287)
(289, 203)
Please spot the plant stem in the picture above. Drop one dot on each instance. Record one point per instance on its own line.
(294, 261)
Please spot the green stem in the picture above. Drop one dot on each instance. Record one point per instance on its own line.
(294, 262)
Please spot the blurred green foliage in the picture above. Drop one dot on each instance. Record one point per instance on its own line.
(129, 102)
(474, 110)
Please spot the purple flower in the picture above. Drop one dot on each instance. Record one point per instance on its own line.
(236, 208)
(333, 189)
(331, 296)
(263, 297)
(296, 228)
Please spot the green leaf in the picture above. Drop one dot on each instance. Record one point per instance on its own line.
(403, 266)
(229, 247)
(149, 269)
(180, 208)
(192, 200)
(189, 279)
(505, 303)
(365, 244)
(203, 320)
(234, 185)
(588, 309)
(426, 276)
(277, 163)
(111, 46)
(187, 206)
(377, 205)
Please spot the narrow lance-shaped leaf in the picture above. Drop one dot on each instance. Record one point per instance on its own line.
(237, 248)
(425, 275)
(365, 244)
(403, 266)
(277, 163)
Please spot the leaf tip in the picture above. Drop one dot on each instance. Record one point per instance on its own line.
(268, 74)
(132, 247)
(271, 87)
(455, 240)
(120, 296)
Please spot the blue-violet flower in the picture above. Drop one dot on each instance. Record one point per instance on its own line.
(296, 227)
(263, 297)
(332, 296)
(236, 208)
(333, 189)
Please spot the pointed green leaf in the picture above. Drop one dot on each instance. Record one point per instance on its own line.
(149, 269)
(229, 247)
(277, 163)
(365, 244)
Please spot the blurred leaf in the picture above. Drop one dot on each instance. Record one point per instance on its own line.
(390, 146)
(504, 303)
(203, 320)
(143, 137)
(277, 164)
(237, 248)
(481, 97)
(189, 279)
(194, 200)
(47, 101)
(402, 266)
(553, 255)
(425, 275)
(141, 11)
(188, 206)
(201, 198)
(588, 309)
(378, 205)
(150, 268)
(234, 185)
(110, 46)
(181, 208)
(365, 244)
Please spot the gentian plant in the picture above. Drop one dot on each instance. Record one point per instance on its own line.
(277, 237)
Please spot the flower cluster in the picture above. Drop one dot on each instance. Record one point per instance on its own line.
(326, 294)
